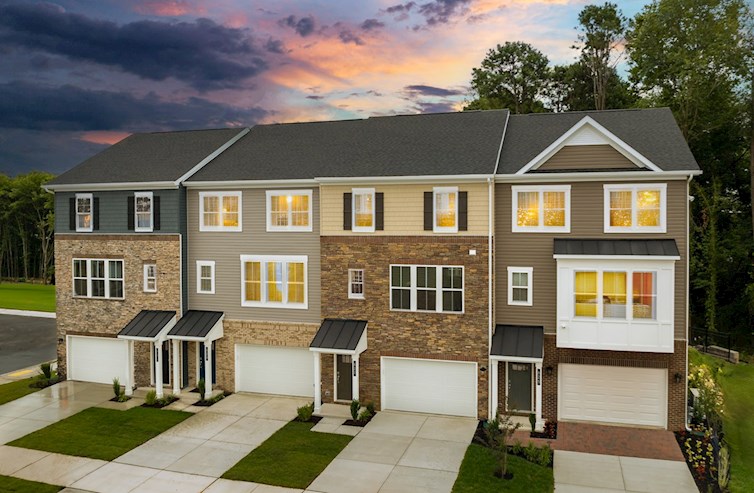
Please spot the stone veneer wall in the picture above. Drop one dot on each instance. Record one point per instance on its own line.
(106, 317)
(462, 337)
(675, 363)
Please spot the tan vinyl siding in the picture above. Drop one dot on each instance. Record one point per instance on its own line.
(587, 217)
(404, 208)
(226, 248)
(587, 157)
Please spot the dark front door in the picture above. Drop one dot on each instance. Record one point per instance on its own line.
(519, 387)
(165, 358)
(201, 363)
(343, 377)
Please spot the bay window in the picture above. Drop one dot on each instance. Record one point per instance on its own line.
(541, 208)
(219, 211)
(605, 294)
(635, 208)
(274, 281)
(98, 278)
(426, 288)
(289, 210)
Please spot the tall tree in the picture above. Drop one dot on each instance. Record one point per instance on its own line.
(602, 32)
(571, 88)
(513, 76)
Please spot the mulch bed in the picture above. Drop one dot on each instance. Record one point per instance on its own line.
(698, 450)
(361, 424)
(162, 402)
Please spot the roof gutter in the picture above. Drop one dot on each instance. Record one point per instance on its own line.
(249, 183)
(98, 187)
(404, 179)
(600, 175)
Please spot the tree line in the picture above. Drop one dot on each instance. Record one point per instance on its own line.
(695, 57)
(27, 223)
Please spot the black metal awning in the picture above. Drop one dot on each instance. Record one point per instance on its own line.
(339, 335)
(518, 341)
(596, 247)
(196, 325)
(147, 325)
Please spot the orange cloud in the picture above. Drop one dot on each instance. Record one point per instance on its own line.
(104, 137)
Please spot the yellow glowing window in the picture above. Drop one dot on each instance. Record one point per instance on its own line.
(295, 282)
(636, 207)
(274, 281)
(648, 208)
(363, 209)
(540, 208)
(220, 211)
(289, 210)
(614, 295)
(446, 208)
(278, 211)
(300, 210)
(230, 211)
(211, 210)
(585, 291)
(528, 209)
(554, 208)
(253, 280)
(621, 210)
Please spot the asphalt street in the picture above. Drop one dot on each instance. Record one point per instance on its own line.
(25, 341)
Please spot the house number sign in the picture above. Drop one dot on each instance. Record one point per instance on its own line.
(539, 376)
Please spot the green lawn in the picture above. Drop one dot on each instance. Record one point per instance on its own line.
(102, 433)
(22, 296)
(737, 384)
(9, 484)
(478, 468)
(292, 457)
(14, 390)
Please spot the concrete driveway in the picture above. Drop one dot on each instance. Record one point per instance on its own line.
(400, 452)
(26, 341)
(578, 472)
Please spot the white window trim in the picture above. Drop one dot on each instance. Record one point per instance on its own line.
(147, 278)
(277, 193)
(634, 188)
(91, 212)
(199, 265)
(435, 227)
(529, 271)
(107, 278)
(220, 195)
(438, 288)
(363, 191)
(541, 189)
(264, 259)
(351, 294)
(149, 228)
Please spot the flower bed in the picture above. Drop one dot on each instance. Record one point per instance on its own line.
(698, 448)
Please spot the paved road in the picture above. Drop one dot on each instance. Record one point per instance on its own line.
(25, 341)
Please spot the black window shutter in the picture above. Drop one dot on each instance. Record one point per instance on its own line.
(346, 212)
(95, 213)
(428, 220)
(379, 211)
(131, 212)
(72, 214)
(463, 211)
(156, 212)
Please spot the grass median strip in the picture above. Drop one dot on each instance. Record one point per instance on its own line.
(478, 468)
(14, 390)
(292, 457)
(23, 296)
(16, 485)
(102, 433)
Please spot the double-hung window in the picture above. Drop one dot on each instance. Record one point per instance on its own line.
(539, 209)
(635, 208)
(445, 209)
(430, 288)
(205, 276)
(604, 294)
(150, 278)
(98, 278)
(219, 211)
(289, 210)
(84, 207)
(274, 281)
(143, 212)
(363, 210)
(520, 286)
(356, 284)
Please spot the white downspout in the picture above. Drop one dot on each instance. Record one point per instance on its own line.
(688, 261)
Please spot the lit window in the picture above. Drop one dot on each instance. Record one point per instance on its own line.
(644, 295)
(585, 293)
(541, 208)
(220, 211)
(273, 281)
(614, 295)
(289, 210)
(363, 210)
(205, 276)
(637, 208)
(143, 211)
(150, 278)
(356, 283)
(84, 206)
(95, 278)
(253, 280)
(295, 282)
(426, 288)
(445, 210)
(520, 285)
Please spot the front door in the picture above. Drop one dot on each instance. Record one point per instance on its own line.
(201, 363)
(165, 358)
(343, 377)
(520, 387)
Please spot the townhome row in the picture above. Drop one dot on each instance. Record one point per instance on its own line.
(459, 264)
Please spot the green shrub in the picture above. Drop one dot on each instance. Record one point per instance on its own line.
(355, 406)
(545, 455)
(151, 398)
(532, 421)
(364, 416)
(517, 448)
(116, 387)
(370, 407)
(46, 369)
(531, 452)
(201, 386)
(305, 412)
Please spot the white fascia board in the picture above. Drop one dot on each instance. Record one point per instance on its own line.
(236, 184)
(403, 179)
(101, 187)
(629, 152)
(615, 257)
(212, 156)
(623, 176)
(515, 359)
(502, 140)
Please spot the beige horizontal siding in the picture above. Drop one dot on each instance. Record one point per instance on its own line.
(587, 217)
(587, 157)
(225, 248)
(404, 208)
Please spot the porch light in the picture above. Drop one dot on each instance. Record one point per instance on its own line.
(678, 377)
(548, 371)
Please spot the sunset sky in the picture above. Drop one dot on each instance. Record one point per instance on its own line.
(76, 75)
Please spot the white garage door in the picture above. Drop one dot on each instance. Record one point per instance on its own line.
(274, 370)
(613, 394)
(429, 386)
(97, 359)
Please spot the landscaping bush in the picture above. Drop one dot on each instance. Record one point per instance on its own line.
(46, 369)
(532, 421)
(202, 386)
(364, 416)
(151, 398)
(116, 387)
(495, 435)
(517, 448)
(45, 378)
(531, 453)
(305, 412)
(355, 406)
(545, 456)
(371, 407)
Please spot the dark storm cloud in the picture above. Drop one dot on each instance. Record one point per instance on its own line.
(274, 46)
(315, 97)
(22, 151)
(24, 105)
(434, 12)
(347, 36)
(370, 24)
(304, 26)
(441, 107)
(422, 90)
(202, 53)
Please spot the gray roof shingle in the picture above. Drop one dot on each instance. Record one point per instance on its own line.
(664, 247)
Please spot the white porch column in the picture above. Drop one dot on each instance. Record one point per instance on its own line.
(176, 366)
(207, 369)
(129, 383)
(493, 388)
(157, 348)
(540, 424)
(317, 383)
(355, 380)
